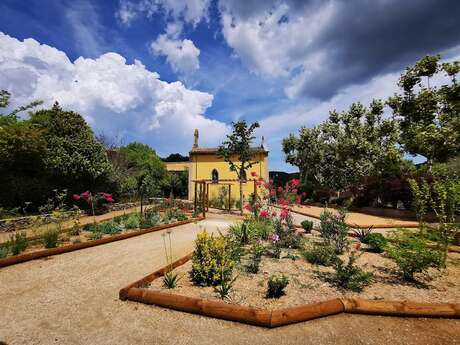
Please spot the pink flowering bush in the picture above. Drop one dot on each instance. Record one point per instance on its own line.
(96, 202)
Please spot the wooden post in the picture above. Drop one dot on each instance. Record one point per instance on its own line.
(229, 198)
(195, 201)
(204, 206)
(207, 196)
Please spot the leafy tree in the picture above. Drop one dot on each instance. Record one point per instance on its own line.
(175, 183)
(429, 116)
(74, 158)
(237, 151)
(145, 167)
(347, 147)
(22, 174)
(175, 157)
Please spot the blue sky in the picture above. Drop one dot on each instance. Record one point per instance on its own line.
(153, 70)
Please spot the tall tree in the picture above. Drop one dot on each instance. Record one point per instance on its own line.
(429, 116)
(347, 147)
(237, 151)
(145, 167)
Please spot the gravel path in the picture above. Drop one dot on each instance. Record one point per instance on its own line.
(73, 299)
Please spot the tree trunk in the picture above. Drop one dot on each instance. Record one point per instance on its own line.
(142, 204)
(241, 196)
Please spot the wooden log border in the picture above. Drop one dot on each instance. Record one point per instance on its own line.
(16, 259)
(279, 317)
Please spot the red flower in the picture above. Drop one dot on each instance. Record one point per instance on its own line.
(273, 192)
(263, 214)
(271, 181)
(294, 182)
(283, 202)
(248, 207)
(76, 197)
(297, 200)
(253, 174)
(284, 213)
(86, 195)
(280, 189)
(294, 190)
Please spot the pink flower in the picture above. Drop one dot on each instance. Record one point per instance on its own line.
(263, 214)
(76, 197)
(271, 181)
(248, 207)
(280, 189)
(294, 182)
(304, 194)
(86, 195)
(283, 202)
(294, 190)
(274, 238)
(297, 200)
(284, 213)
(253, 174)
(272, 192)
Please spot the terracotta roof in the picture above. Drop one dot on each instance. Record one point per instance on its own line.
(213, 150)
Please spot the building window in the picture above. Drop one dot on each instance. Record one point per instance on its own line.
(215, 176)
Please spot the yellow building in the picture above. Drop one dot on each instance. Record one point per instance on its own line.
(206, 167)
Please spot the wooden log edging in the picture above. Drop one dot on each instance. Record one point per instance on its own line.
(279, 317)
(16, 259)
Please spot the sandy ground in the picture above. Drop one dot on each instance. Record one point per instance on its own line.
(355, 218)
(73, 299)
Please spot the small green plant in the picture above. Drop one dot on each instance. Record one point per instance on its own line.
(376, 241)
(256, 252)
(320, 254)
(96, 235)
(225, 285)
(362, 233)
(50, 238)
(276, 285)
(170, 279)
(412, 255)
(334, 229)
(17, 242)
(307, 225)
(350, 276)
(4, 250)
(150, 219)
(132, 222)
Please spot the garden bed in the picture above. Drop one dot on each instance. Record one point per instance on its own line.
(308, 283)
(84, 239)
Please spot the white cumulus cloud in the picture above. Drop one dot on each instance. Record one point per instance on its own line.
(113, 95)
(182, 55)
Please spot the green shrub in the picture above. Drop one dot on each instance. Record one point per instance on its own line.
(132, 222)
(174, 213)
(288, 237)
(96, 235)
(307, 225)
(349, 276)
(320, 254)
(4, 250)
(241, 232)
(412, 254)
(50, 238)
(255, 257)
(150, 219)
(377, 242)
(212, 259)
(109, 228)
(17, 242)
(276, 285)
(334, 229)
